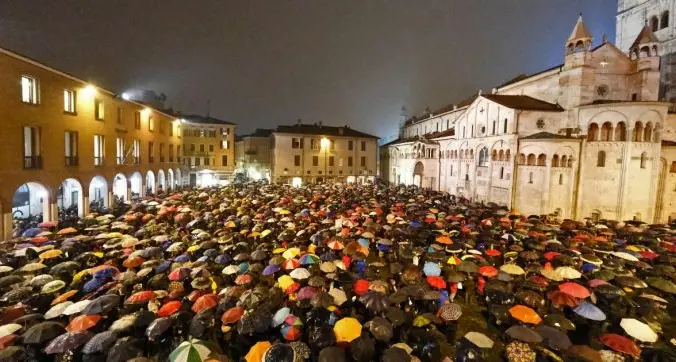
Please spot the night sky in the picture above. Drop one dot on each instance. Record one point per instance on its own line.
(264, 63)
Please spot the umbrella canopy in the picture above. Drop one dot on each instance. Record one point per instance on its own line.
(524, 334)
(68, 342)
(192, 350)
(525, 314)
(590, 311)
(479, 339)
(42, 332)
(620, 343)
(347, 329)
(638, 330)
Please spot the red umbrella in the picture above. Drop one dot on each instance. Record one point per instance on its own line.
(492, 252)
(232, 315)
(620, 343)
(574, 289)
(140, 297)
(179, 274)
(436, 282)
(243, 279)
(195, 294)
(361, 286)
(83, 322)
(205, 302)
(649, 255)
(539, 280)
(550, 255)
(562, 299)
(292, 288)
(488, 271)
(169, 308)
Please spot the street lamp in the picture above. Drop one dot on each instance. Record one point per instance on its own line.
(325, 143)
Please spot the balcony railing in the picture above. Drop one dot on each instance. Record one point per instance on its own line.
(98, 160)
(72, 161)
(32, 162)
(197, 153)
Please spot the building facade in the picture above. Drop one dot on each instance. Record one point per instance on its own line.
(69, 145)
(305, 153)
(253, 153)
(208, 150)
(587, 138)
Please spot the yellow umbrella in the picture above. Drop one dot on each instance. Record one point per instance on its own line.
(257, 351)
(284, 212)
(285, 282)
(347, 329)
(512, 269)
(266, 233)
(254, 234)
(79, 275)
(291, 253)
(193, 248)
(50, 254)
(421, 321)
(230, 224)
(279, 250)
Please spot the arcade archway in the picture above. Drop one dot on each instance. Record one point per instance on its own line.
(98, 194)
(150, 183)
(70, 199)
(120, 186)
(30, 205)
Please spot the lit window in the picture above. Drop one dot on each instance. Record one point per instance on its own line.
(151, 123)
(71, 148)
(29, 90)
(69, 101)
(120, 151)
(224, 145)
(136, 150)
(31, 147)
(99, 148)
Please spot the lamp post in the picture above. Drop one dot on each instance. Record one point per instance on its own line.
(325, 143)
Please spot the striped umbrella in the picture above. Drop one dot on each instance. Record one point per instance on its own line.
(190, 351)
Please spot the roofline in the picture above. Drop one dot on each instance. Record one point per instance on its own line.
(442, 114)
(328, 135)
(34, 62)
(532, 77)
(573, 139)
(629, 103)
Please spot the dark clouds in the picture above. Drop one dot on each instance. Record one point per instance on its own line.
(270, 62)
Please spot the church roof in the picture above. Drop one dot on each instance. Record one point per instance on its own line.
(526, 103)
(580, 31)
(644, 37)
(547, 136)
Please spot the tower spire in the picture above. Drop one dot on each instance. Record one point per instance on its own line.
(580, 38)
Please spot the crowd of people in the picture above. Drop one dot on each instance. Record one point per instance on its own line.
(336, 272)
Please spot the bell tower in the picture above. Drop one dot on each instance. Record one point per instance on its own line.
(577, 74)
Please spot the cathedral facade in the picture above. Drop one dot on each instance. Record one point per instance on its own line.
(586, 138)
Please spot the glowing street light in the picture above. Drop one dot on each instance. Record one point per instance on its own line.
(324, 143)
(126, 96)
(89, 91)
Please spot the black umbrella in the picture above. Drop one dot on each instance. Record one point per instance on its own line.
(523, 334)
(554, 338)
(377, 302)
(125, 349)
(100, 342)
(158, 327)
(42, 332)
(10, 280)
(332, 354)
(321, 337)
(102, 304)
(363, 349)
(13, 354)
(279, 352)
(394, 354)
(68, 341)
(380, 328)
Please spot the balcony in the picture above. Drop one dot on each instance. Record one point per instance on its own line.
(32, 162)
(98, 161)
(72, 161)
(197, 153)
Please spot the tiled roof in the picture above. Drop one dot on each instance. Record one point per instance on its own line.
(521, 77)
(547, 136)
(195, 118)
(644, 37)
(316, 129)
(446, 133)
(580, 31)
(523, 102)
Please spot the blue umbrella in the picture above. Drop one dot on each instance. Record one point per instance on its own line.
(182, 258)
(443, 296)
(164, 266)
(590, 311)
(416, 224)
(33, 232)
(243, 267)
(327, 256)
(271, 269)
(105, 273)
(383, 247)
(363, 242)
(587, 267)
(431, 269)
(92, 285)
(223, 259)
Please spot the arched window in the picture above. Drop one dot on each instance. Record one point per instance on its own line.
(451, 170)
(555, 161)
(655, 53)
(483, 157)
(638, 132)
(621, 132)
(644, 158)
(471, 154)
(648, 133)
(522, 159)
(606, 131)
(664, 21)
(494, 156)
(531, 160)
(530, 177)
(593, 133)
(672, 169)
(505, 126)
(645, 52)
(502, 172)
(654, 23)
(501, 155)
(601, 159)
(542, 159)
(570, 161)
(563, 161)
(560, 179)
(508, 156)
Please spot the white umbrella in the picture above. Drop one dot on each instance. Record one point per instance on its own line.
(479, 339)
(339, 296)
(77, 307)
(623, 255)
(230, 269)
(8, 329)
(300, 273)
(57, 310)
(638, 330)
(567, 272)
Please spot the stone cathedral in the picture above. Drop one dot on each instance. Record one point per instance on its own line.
(592, 137)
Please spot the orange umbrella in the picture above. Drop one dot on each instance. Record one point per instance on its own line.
(232, 315)
(133, 262)
(488, 271)
(525, 314)
(68, 230)
(443, 239)
(140, 297)
(64, 297)
(83, 323)
(205, 302)
(169, 308)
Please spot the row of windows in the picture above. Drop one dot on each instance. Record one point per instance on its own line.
(224, 145)
(30, 94)
(619, 133)
(197, 161)
(316, 144)
(32, 141)
(494, 129)
(206, 132)
(330, 161)
(601, 159)
(541, 160)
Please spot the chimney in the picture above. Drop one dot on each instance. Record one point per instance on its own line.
(455, 106)
(479, 91)
(320, 124)
(494, 90)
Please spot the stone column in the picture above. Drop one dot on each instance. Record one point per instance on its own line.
(85, 200)
(626, 160)
(7, 226)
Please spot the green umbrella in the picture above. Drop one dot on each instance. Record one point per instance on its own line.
(662, 284)
(190, 351)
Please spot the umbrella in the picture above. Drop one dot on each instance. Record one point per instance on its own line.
(662, 284)
(554, 338)
(124, 323)
(76, 308)
(157, 327)
(575, 290)
(512, 269)
(257, 351)
(68, 342)
(479, 339)
(205, 302)
(638, 330)
(562, 299)
(590, 311)
(192, 350)
(525, 314)
(125, 349)
(83, 323)
(620, 343)
(380, 328)
(42, 332)
(102, 304)
(559, 321)
(450, 312)
(567, 272)
(347, 329)
(488, 271)
(13, 353)
(57, 310)
(523, 334)
(169, 308)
